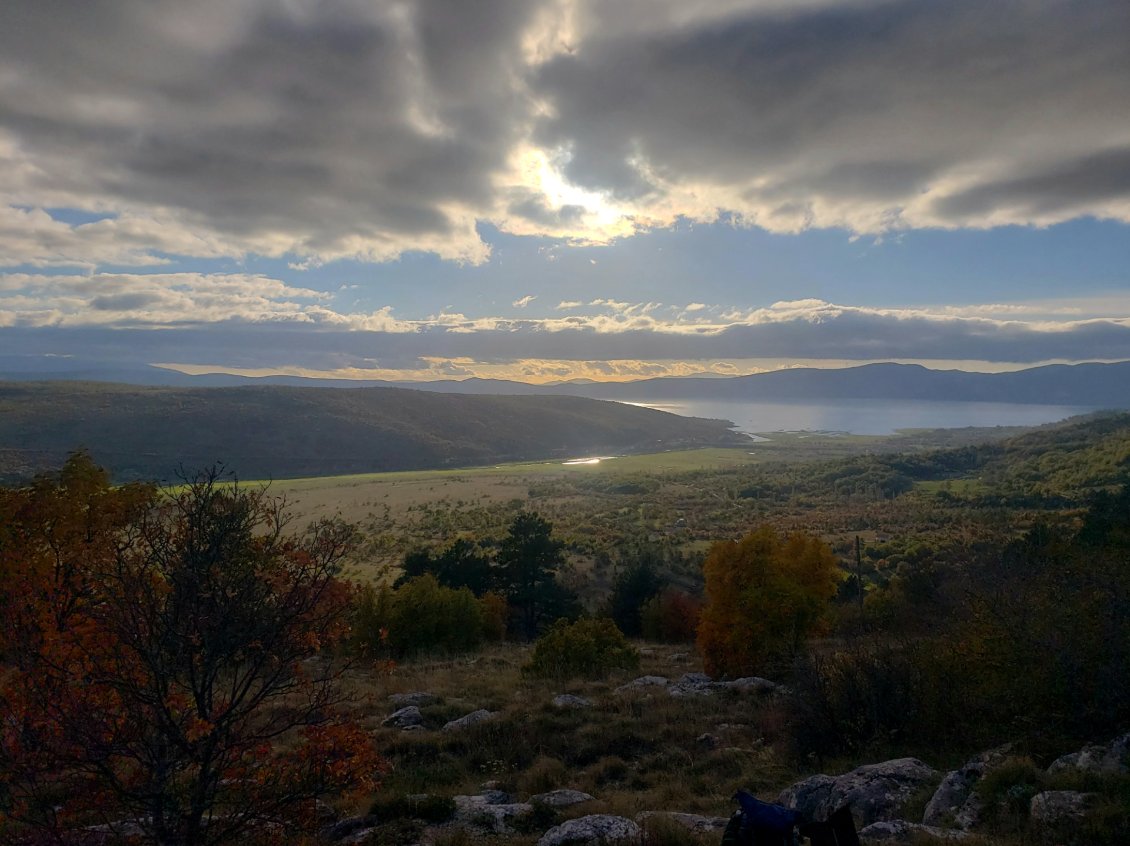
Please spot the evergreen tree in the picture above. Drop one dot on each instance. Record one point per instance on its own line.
(528, 560)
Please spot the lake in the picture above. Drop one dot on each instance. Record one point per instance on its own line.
(867, 417)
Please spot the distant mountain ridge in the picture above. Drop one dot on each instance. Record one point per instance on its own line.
(271, 431)
(1097, 385)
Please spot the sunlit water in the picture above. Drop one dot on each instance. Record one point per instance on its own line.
(867, 417)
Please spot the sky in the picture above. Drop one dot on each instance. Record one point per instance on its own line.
(556, 189)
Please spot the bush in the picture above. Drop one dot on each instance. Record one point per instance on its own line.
(495, 611)
(422, 616)
(587, 648)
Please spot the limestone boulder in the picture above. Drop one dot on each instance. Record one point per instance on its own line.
(562, 798)
(955, 802)
(595, 828)
(405, 717)
(694, 823)
(468, 720)
(1100, 759)
(420, 699)
(643, 683)
(569, 700)
(482, 814)
(901, 831)
(1054, 810)
(874, 792)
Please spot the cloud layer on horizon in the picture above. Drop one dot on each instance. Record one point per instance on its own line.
(348, 129)
(254, 323)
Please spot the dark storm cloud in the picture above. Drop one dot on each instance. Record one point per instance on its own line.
(1069, 186)
(306, 123)
(853, 113)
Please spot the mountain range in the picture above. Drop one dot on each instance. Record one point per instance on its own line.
(1092, 384)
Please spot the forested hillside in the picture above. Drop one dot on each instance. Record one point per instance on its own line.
(281, 432)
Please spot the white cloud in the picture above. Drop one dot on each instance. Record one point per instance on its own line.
(522, 302)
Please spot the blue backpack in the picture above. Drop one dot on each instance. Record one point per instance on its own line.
(759, 823)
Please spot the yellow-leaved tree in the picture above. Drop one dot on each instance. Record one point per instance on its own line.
(765, 594)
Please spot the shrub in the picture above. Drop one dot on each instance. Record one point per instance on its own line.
(495, 612)
(422, 616)
(423, 806)
(587, 648)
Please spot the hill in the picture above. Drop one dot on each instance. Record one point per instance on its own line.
(275, 431)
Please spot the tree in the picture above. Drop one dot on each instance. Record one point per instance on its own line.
(528, 560)
(635, 584)
(462, 564)
(163, 673)
(764, 595)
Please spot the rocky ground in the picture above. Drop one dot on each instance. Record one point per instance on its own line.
(994, 797)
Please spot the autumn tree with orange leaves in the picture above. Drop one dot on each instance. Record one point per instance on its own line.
(166, 672)
(764, 595)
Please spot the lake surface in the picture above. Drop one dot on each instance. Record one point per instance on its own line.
(867, 417)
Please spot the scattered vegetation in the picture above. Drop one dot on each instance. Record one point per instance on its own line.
(932, 602)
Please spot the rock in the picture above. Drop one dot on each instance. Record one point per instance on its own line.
(1054, 809)
(642, 682)
(707, 741)
(693, 684)
(955, 800)
(361, 835)
(901, 831)
(419, 699)
(874, 792)
(595, 828)
(408, 716)
(494, 796)
(752, 684)
(562, 798)
(474, 718)
(568, 700)
(679, 656)
(1111, 759)
(479, 813)
(348, 826)
(693, 823)
(414, 728)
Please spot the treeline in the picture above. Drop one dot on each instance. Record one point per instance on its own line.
(453, 599)
(456, 598)
(1024, 638)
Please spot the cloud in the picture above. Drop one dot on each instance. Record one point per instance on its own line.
(564, 305)
(522, 302)
(318, 128)
(321, 129)
(865, 115)
(247, 321)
